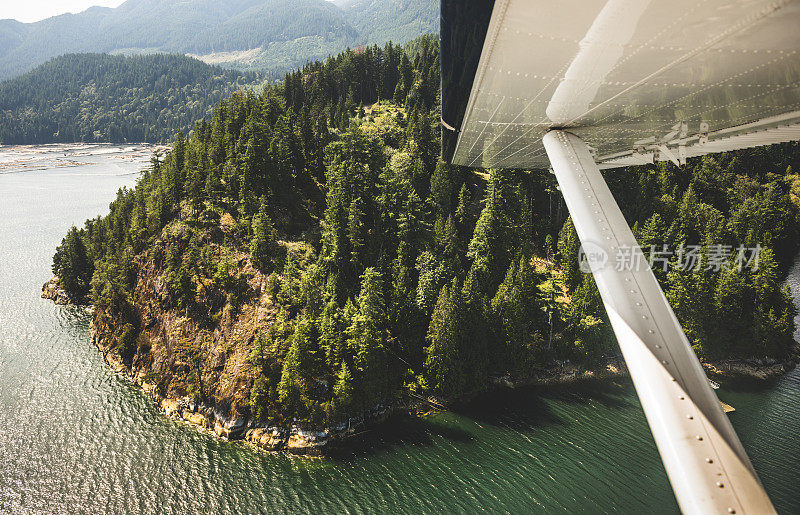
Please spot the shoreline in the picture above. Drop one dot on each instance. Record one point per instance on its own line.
(294, 440)
(310, 443)
(213, 422)
(725, 371)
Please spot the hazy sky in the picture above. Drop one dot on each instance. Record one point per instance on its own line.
(34, 10)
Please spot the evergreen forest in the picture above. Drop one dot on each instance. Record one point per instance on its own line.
(112, 99)
(391, 272)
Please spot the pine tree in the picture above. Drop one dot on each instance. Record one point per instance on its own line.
(343, 391)
(73, 266)
(442, 189)
(368, 338)
(332, 337)
(463, 200)
(263, 238)
(259, 354)
(516, 320)
(567, 254)
(290, 388)
(733, 303)
(179, 150)
(489, 248)
(445, 364)
(260, 398)
(356, 231)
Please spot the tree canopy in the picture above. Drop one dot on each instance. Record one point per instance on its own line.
(392, 271)
(116, 99)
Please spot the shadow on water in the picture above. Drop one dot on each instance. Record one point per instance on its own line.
(609, 393)
(752, 385)
(529, 407)
(398, 431)
(522, 409)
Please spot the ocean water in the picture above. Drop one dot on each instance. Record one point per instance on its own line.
(76, 438)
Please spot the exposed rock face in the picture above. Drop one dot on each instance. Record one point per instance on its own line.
(230, 429)
(268, 439)
(295, 440)
(171, 408)
(53, 290)
(303, 444)
(169, 339)
(759, 369)
(160, 364)
(197, 419)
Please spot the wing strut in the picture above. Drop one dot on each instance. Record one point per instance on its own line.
(706, 464)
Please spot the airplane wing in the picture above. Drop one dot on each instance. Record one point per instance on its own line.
(580, 85)
(671, 79)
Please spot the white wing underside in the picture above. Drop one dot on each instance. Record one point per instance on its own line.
(635, 79)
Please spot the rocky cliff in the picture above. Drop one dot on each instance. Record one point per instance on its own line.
(53, 290)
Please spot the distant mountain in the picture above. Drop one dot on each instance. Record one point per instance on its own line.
(99, 97)
(392, 20)
(244, 34)
(12, 33)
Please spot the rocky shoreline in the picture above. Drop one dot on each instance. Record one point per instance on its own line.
(212, 420)
(52, 290)
(296, 440)
(561, 373)
(732, 369)
(765, 369)
(301, 442)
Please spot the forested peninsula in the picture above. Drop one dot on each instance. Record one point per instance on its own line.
(304, 259)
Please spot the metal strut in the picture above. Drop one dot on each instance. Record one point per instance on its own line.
(706, 464)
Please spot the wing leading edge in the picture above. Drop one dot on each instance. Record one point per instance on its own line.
(627, 76)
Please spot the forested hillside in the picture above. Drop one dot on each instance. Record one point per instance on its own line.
(304, 253)
(262, 35)
(378, 21)
(102, 98)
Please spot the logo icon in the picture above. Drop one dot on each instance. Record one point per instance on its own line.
(592, 257)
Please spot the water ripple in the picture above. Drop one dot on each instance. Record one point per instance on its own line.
(76, 438)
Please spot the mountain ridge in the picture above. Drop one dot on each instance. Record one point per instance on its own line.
(260, 35)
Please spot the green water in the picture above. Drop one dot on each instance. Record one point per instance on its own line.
(76, 438)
